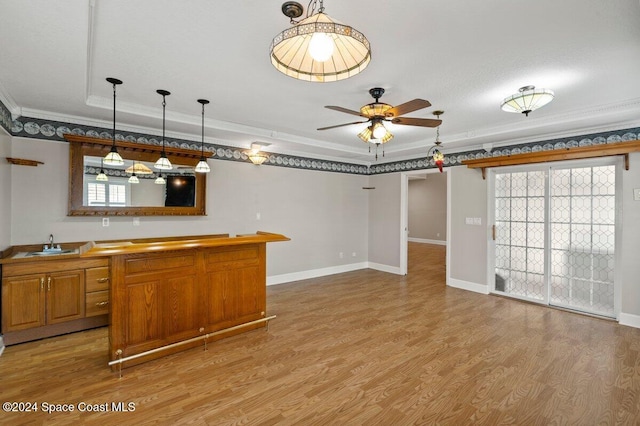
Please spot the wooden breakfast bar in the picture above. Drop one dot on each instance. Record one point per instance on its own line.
(170, 295)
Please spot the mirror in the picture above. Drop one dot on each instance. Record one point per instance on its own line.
(182, 193)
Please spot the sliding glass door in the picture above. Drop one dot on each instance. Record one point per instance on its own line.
(554, 235)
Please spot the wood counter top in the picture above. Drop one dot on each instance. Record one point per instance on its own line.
(116, 248)
(135, 245)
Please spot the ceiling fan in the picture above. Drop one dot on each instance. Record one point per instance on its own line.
(376, 113)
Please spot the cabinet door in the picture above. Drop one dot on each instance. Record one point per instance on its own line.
(23, 302)
(65, 296)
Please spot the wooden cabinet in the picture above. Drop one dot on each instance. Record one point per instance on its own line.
(97, 291)
(65, 296)
(41, 299)
(23, 301)
(49, 297)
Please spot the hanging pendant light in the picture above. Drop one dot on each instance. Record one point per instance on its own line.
(160, 180)
(163, 162)
(134, 178)
(527, 99)
(139, 169)
(113, 158)
(102, 177)
(318, 48)
(202, 166)
(434, 151)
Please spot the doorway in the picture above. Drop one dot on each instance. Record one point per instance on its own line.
(435, 234)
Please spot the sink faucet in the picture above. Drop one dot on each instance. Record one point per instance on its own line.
(51, 240)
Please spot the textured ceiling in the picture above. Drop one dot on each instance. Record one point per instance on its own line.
(464, 57)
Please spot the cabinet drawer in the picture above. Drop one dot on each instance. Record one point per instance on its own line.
(97, 279)
(97, 303)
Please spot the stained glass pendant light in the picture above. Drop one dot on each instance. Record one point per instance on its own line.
(318, 48)
(163, 162)
(527, 99)
(255, 155)
(202, 166)
(102, 176)
(134, 177)
(113, 158)
(434, 151)
(160, 180)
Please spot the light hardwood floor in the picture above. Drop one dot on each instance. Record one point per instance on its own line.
(363, 347)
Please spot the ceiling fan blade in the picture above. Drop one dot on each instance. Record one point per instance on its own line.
(423, 122)
(341, 125)
(408, 107)
(348, 111)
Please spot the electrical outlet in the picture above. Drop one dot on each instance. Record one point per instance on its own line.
(105, 221)
(136, 221)
(468, 221)
(636, 194)
(477, 221)
(353, 254)
(257, 216)
(341, 254)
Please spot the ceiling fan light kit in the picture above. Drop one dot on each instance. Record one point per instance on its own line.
(318, 48)
(527, 99)
(378, 112)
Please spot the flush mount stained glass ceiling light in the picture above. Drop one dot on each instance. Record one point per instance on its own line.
(527, 99)
(318, 48)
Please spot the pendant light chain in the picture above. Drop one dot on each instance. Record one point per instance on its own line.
(202, 166)
(164, 104)
(114, 113)
(163, 162)
(113, 158)
(202, 145)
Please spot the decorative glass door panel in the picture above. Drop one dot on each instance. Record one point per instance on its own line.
(555, 236)
(520, 217)
(582, 225)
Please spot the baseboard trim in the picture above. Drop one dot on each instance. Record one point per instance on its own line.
(466, 285)
(629, 320)
(426, 241)
(314, 273)
(385, 268)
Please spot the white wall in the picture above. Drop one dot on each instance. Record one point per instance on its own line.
(427, 207)
(384, 222)
(323, 213)
(5, 190)
(630, 262)
(468, 243)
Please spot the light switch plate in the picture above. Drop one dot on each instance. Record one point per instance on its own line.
(636, 194)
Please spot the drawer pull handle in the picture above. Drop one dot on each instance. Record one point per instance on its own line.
(100, 304)
(102, 280)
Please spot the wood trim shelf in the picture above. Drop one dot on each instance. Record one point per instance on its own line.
(23, 162)
(594, 151)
